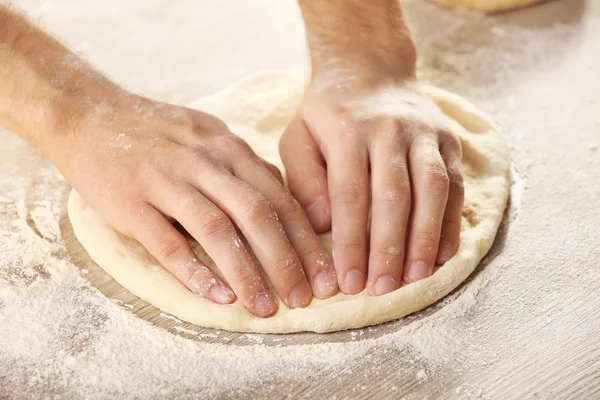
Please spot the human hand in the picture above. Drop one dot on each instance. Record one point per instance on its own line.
(141, 164)
(368, 140)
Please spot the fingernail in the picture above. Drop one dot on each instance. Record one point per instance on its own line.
(198, 283)
(325, 285)
(385, 284)
(354, 281)
(300, 296)
(445, 252)
(264, 305)
(416, 271)
(316, 213)
(222, 294)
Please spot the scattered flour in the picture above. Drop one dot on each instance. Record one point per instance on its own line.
(61, 338)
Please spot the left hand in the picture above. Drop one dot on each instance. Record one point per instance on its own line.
(359, 143)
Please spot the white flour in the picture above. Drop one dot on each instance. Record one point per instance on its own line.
(518, 327)
(59, 332)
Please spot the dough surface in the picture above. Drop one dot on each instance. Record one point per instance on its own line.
(488, 5)
(257, 109)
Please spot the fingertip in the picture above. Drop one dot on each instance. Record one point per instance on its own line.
(325, 285)
(416, 271)
(221, 294)
(264, 305)
(383, 285)
(300, 296)
(446, 252)
(354, 282)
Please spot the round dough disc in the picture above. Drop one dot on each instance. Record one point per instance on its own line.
(258, 109)
(488, 5)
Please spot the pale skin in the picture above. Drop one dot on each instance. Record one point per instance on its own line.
(365, 138)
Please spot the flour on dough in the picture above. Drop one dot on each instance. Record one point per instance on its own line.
(257, 109)
(488, 5)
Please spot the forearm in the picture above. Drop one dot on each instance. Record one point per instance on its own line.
(45, 89)
(346, 34)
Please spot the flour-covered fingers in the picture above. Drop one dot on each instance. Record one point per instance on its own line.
(306, 174)
(430, 192)
(169, 247)
(348, 176)
(213, 229)
(257, 218)
(451, 151)
(391, 200)
(316, 262)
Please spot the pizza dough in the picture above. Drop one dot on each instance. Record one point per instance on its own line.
(488, 5)
(258, 108)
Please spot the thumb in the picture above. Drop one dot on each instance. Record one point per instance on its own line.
(306, 173)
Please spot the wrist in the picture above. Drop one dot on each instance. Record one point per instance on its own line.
(366, 62)
(72, 116)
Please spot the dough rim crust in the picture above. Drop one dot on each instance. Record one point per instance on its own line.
(135, 269)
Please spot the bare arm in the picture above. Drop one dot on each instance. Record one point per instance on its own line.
(354, 35)
(45, 89)
(139, 163)
(367, 138)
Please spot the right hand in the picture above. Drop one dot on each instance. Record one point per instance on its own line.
(141, 164)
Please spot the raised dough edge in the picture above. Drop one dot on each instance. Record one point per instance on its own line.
(145, 278)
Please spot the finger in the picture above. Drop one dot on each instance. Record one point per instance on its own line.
(306, 174)
(315, 260)
(451, 151)
(430, 187)
(257, 219)
(273, 170)
(170, 248)
(219, 238)
(391, 199)
(349, 191)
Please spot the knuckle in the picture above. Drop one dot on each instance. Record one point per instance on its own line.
(314, 252)
(215, 222)
(138, 208)
(198, 157)
(437, 178)
(259, 209)
(394, 192)
(351, 194)
(286, 267)
(248, 276)
(207, 121)
(350, 245)
(397, 126)
(391, 250)
(450, 139)
(158, 172)
(451, 224)
(425, 236)
(172, 247)
(458, 186)
(286, 206)
(236, 144)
